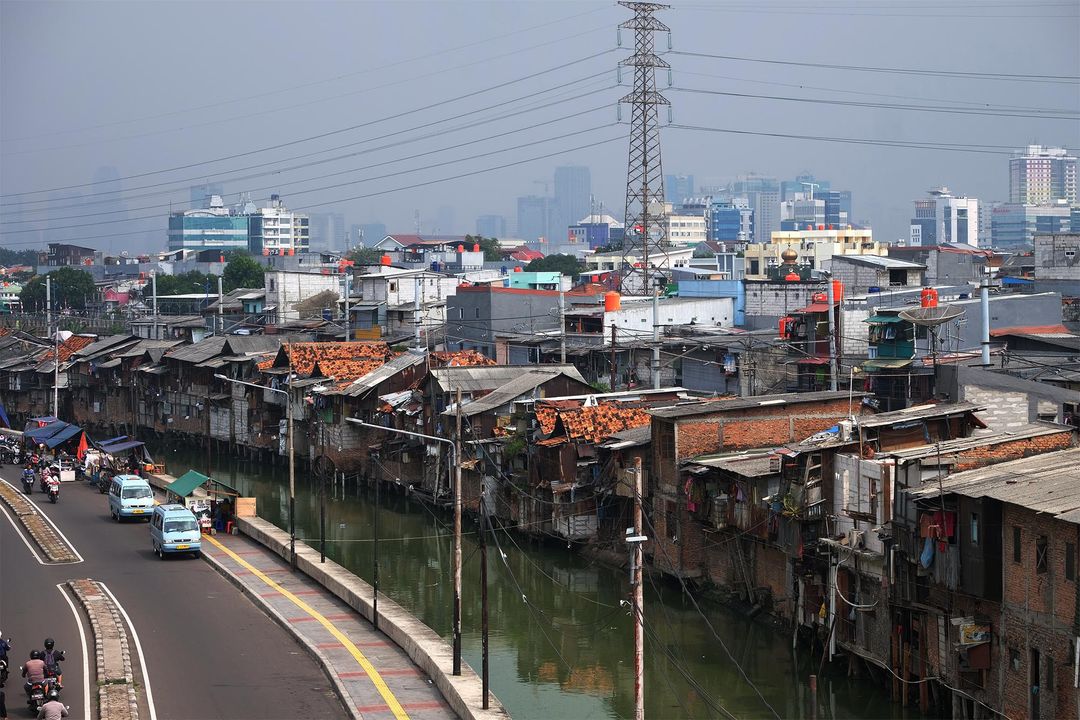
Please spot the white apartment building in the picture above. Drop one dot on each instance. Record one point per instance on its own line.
(275, 230)
(1042, 175)
(686, 230)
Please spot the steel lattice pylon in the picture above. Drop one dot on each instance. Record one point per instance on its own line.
(646, 227)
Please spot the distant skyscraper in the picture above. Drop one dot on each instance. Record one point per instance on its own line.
(763, 193)
(803, 184)
(945, 218)
(677, 188)
(731, 221)
(837, 207)
(534, 217)
(573, 189)
(1042, 175)
(200, 194)
(328, 231)
(491, 226)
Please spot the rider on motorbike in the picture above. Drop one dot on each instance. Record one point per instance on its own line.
(52, 658)
(34, 669)
(52, 709)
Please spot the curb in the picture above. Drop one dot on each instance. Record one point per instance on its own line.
(46, 538)
(117, 692)
(315, 653)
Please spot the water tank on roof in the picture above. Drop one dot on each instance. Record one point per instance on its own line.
(612, 301)
(384, 260)
(928, 297)
(476, 247)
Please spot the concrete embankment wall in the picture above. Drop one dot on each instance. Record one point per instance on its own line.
(422, 644)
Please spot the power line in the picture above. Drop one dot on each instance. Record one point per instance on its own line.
(885, 106)
(279, 90)
(1059, 79)
(328, 133)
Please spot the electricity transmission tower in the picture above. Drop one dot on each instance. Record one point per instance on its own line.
(645, 228)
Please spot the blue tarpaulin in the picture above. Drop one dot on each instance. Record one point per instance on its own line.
(41, 433)
(120, 446)
(110, 441)
(4, 421)
(63, 436)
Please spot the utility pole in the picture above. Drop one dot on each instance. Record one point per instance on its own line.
(613, 367)
(292, 466)
(484, 527)
(656, 339)
(153, 280)
(562, 323)
(417, 308)
(220, 308)
(375, 550)
(645, 172)
(637, 542)
(56, 346)
(457, 538)
(833, 370)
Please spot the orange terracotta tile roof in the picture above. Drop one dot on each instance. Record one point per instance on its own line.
(590, 424)
(335, 359)
(460, 358)
(69, 347)
(4, 331)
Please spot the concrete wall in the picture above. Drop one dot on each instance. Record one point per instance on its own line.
(767, 302)
(1053, 260)
(1009, 401)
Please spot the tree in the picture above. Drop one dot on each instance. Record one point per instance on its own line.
(71, 288)
(18, 257)
(365, 255)
(242, 271)
(490, 246)
(189, 282)
(565, 264)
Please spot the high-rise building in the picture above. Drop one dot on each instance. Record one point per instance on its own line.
(678, 188)
(200, 194)
(800, 210)
(942, 217)
(212, 227)
(274, 230)
(328, 231)
(805, 183)
(1014, 226)
(491, 226)
(573, 193)
(837, 207)
(534, 217)
(763, 193)
(686, 226)
(731, 221)
(1042, 175)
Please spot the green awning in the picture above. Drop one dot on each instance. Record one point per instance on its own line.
(886, 363)
(884, 319)
(186, 483)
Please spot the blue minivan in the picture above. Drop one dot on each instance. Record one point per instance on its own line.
(175, 529)
(130, 497)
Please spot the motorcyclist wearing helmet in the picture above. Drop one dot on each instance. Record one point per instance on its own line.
(52, 658)
(52, 708)
(34, 669)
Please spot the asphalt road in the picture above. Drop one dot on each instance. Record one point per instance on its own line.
(210, 652)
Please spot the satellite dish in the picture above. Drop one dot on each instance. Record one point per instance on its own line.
(931, 316)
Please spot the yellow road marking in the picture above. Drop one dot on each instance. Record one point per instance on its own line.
(376, 678)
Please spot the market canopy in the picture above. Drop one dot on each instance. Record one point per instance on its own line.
(42, 433)
(186, 483)
(120, 446)
(63, 436)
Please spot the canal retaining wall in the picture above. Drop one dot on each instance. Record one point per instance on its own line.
(423, 645)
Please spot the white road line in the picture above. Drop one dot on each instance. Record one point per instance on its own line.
(138, 647)
(19, 531)
(85, 648)
(50, 521)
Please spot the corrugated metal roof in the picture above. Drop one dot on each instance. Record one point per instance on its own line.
(709, 407)
(102, 345)
(882, 261)
(143, 345)
(378, 376)
(634, 437)
(479, 379)
(507, 393)
(1048, 483)
(745, 464)
(199, 352)
(918, 412)
(959, 445)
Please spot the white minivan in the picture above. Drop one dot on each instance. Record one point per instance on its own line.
(174, 529)
(130, 497)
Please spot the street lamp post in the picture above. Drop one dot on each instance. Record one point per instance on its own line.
(292, 460)
(457, 529)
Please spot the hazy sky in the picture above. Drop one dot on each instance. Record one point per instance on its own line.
(151, 86)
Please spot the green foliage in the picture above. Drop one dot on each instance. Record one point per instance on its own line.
(365, 255)
(10, 257)
(610, 247)
(189, 282)
(242, 270)
(490, 247)
(565, 264)
(71, 287)
(514, 446)
(600, 387)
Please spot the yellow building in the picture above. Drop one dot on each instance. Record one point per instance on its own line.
(815, 247)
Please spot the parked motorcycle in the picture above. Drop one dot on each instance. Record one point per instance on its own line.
(43, 479)
(104, 480)
(53, 489)
(28, 481)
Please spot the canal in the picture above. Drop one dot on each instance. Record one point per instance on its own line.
(561, 644)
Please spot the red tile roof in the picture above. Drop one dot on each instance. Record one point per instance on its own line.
(70, 346)
(334, 359)
(1030, 330)
(590, 424)
(460, 358)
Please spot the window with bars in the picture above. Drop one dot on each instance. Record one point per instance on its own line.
(1042, 552)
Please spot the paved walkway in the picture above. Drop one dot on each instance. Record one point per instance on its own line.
(379, 678)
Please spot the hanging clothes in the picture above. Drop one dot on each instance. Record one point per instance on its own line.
(926, 559)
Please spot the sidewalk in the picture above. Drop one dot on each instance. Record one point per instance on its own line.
(375, 676)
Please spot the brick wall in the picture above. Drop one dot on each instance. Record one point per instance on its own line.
(1039, 613)
(1014, 450)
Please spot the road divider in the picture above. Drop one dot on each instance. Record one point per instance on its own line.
(48, 537)
(117, 697)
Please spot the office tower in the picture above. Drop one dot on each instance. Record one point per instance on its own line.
(677, 188)
(534, 217)
(805, 183)
(1042, 175)
(491, 226)
(942, 217)
(200, 194)
(328, 231)
(837, 207)
(573, 190)
(731, 221)
(801, 210)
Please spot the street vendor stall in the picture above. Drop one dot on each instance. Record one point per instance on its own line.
(212, 501)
